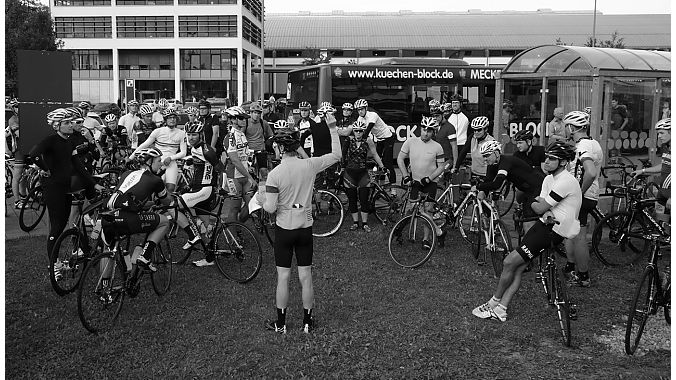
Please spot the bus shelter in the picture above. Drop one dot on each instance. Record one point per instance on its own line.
(628, 92)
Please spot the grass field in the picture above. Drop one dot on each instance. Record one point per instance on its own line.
(375, 319)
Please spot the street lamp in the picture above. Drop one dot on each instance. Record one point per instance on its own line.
(594, 27)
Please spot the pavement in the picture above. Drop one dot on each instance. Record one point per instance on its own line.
(12, 229)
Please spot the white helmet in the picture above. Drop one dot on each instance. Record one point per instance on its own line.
(361, 103)
(490, 147)
(578, 119)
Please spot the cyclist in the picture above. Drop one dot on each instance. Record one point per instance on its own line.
(446, 137)
(480, 136)
(88, 122)
(533, 155)
(127, 123)
(281, 125)
(269, 113)
(356, 178)
(344, 122)
(663, 131)
(321, 142)
(211, 130)
(560, 199)
(257, 132)
(459, 121)
(144, 127)
(304, 124)
(427, 163)
(382, 132)
(130, 217)
(18, 185)
(109, 130)
(586, 168)
(192, 113)
(171, 142)
(238, 180)
(158, 114)
(288, 193)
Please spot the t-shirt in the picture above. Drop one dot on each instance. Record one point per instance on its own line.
(588, 149)
(424, 156)
(128, 121)
(563, 193)
(380, 129)
(170, 141)
(237, 143)
(257, 133)
(556, 130)
(444, 136)
(460, 122)
(516, 171)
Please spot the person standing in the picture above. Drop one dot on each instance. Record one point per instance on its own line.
(288, 193)
(619, 116)
(556, 130)
(257, 133)
(381, 131)
(459, 121)
(18, 185)
(211, 130)
(128, 121)
(345, 121)
(447, 136)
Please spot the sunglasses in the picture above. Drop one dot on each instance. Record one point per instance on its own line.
(550, 157)
(241, 118)
(358, 131)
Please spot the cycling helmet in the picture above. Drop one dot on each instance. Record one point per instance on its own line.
(304, 105)
(85, 105)
(578, 119)
(456, 98)
(507, 103)
(287, 138)
(348, 106)
(561, 150)
(132, 102)
(436, 111)
(204, 103)
(58, 115)
(76, 113)
(255, 107)
(194, 127)
(280, 124)
(146, 153)
(429, 122)
(524, 135)
(110, 117)
(146, 109)
(434, 103)
(587, 110)
(13, 103)
(326, 104)
(361, 103)
(324, 109)
(490, 147)
(237, 111)
(359, 125)
(169, 111)
(446, 107)
(664, 124)
(192, 110)
(480, 122)
(163, 103)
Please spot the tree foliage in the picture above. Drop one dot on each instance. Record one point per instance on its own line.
(312, 56)
(28, 26)
(615, 41)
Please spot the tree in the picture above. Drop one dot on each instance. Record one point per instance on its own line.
(615, 41)
(312, 56)
(28, 26)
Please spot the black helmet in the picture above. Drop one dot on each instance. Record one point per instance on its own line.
(523, 135)
(194, 127)
(287, 138)
(561, 150)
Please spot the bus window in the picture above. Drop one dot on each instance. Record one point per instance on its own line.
(304, 87)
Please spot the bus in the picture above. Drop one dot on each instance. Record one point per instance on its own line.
(398, 89)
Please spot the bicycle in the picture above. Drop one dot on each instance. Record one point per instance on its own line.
(236, 250)
(327, 213)
(651, 293)
(498, 242)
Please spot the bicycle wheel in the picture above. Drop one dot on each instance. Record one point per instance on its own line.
(161, 258)
(506, 200)
(502, 247)
(68, 260)
(470, 229)
(562, 303)
(101, 293)
(397, 205)
(176, 240)
(327, 213)
(617, 239)
(666, 298)
(640, 310)
(33, 210)
(412, 241)
(238, 252)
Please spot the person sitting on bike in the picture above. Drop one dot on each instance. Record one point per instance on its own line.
(171, 142)
(663, 130)
(427, 163)
(127, 123)
(586, 168)
(560, 199)
(288, 193)
(109, 129)
(533, 155)
(356, 177)
(128, 201)
(480, 127)
(144, 127)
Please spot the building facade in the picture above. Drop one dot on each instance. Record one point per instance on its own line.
(182, 49)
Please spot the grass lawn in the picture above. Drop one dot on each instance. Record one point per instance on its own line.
(375, 319)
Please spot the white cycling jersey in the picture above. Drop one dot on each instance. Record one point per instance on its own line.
(170, 141)
(380, 129)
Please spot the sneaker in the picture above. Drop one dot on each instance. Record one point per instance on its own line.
(190, 243)
(203, 263)
(308, 327)
(426, 244)
(58, 267)
(354, 226)
(272, 326)
(18, 204)
(367, 228)
(486, 312)
(145, 263)
(79, 253)
(576, 281)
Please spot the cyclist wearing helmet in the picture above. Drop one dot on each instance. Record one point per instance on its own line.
(269, 113)
(446, 136)
(459, 121)
(88, 122)
(109, 129)
(480, 127)
(280, 126)
(663, 130)
(131, 194)
(356, 178)
(212, 135)
(158, 115)
(533, 155)
(127, 122)
(192, 113)
(305, 124)
(346, 119)
(559, 199)
(382, 133)
(586, 167)
(144, 127)
(288, 193)
(257, 132)
(426, 163)
(171, 142)
(238, 180)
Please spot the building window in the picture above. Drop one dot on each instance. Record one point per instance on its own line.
(81, 3)
(206, 2)
(145, 27)
(255, 7)
(289, 53)
(83, 27)
(207, 26)
(251, 32)
(421, 53)
(225, 59)
(144, 2)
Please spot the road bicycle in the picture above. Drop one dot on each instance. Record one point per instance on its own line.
(652, 292)
(328, 213)
(497, 241)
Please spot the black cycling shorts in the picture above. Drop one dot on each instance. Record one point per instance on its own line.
(128, 223)
(289, 241)
(585, 208)
(430, 191)
(536, 240)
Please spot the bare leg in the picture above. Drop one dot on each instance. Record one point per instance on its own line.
(305, 277)
(282, 295)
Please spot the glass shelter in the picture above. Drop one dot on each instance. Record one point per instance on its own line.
(628, 92)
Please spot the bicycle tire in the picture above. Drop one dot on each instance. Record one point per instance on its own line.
(480, 237)
(611, 229)
(92, 296)
(562, 303)
(382, 203)
(70, 265)
(33, 210)
(176, 240)
(238, 252)
(640, 310)
(469, 229)
(161, 258)
(506, 201)
(666, 298)
(406, 240)
(502, 247)
(327, 213)
(269, 226)
(397, 206)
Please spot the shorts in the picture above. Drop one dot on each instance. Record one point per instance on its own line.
(236, 186)
(585, 208)
(355, 178)
(430, 190)
(537, 239)
(129, 222)
(171, 173)
(201, 200)
(289, 241)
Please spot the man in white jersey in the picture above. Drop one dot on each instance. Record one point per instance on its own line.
(382, 133)
(459, 121)
(288, 193)
(130, 119)
(586, 168)
(171, 142)
(238, 180)
(560, 200)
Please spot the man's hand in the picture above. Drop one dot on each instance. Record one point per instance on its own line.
(481, 195)
(473, 189)
(425, 181)
(406, 180)
(166, 161)
(330, 120)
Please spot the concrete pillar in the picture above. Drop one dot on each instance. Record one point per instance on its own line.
(240, 73)
(116, 77)
(177, 74)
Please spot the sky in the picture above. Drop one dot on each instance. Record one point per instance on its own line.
(603, 6)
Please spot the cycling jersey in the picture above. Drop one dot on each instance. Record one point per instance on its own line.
(237, 143)
(563, 193)
(534, 156)
(320, 137)
(478, 162)
(376, 125)
(205, 162)
(514, 170)
(134, 189)
(425, 157)
(444, 136)
(665, 174)
(588, 149)
(55, 154)
(305, 125)
(168, 140)
(355, 156)
(128, 121)
(460, 122)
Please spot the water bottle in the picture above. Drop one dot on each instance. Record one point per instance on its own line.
(200, 225)
(127, 260)
(230, 186)
(210, 230)
(96, 231)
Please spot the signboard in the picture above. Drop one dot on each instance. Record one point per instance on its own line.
(129, 89)
(394, 72)
(532, 124)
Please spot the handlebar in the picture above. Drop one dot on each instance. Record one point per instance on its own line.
(549, 221)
